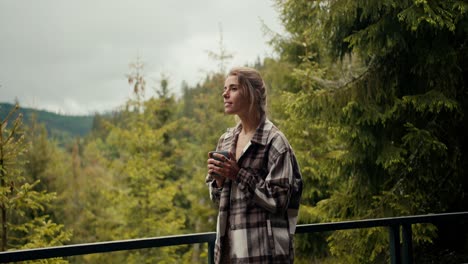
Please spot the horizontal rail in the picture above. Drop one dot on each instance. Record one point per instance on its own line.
(209, 237)
(103, 247)
(379, 222)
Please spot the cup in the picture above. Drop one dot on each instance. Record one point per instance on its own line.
(222, 152)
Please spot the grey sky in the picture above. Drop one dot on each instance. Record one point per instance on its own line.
(72, 56)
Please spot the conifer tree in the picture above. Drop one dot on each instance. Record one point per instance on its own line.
(24, 222)
(145, 156)
(222, 56)
(38, 154)
(385, 80)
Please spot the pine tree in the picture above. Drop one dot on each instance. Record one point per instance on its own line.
(385, 82)
(24, 223)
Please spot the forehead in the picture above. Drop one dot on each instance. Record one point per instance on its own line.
(231, 80)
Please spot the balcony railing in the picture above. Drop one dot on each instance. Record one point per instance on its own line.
(399, 253)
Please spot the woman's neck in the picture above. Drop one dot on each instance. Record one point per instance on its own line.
(249, 124)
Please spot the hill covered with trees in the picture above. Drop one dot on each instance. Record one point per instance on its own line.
(61, 126)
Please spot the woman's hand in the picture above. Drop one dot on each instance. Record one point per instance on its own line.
(223, 168)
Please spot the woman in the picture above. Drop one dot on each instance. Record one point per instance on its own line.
(258, 187)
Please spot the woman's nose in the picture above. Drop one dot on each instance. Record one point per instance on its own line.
(225, 94)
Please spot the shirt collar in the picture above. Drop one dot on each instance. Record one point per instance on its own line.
(261, 133)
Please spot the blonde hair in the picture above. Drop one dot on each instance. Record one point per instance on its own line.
(253, 88)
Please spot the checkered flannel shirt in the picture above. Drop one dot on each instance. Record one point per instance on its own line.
(258, 211)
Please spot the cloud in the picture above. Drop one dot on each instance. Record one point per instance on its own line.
(72, 56)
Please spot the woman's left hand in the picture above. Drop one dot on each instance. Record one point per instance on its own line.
(229, 167)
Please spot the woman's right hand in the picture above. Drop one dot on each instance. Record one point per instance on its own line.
(213, 166)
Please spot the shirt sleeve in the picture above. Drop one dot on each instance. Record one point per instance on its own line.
(215, 191)
(273, 193)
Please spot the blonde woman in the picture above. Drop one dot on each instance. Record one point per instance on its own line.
(258, 185)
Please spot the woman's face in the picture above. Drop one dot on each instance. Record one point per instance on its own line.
(234, 100)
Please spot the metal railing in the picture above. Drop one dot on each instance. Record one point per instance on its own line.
(400, 253)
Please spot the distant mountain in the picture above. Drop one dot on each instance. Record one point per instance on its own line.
(59, 126)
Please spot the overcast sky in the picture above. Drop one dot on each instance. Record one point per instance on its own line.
(72, 57)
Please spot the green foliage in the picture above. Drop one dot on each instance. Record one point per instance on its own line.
(380, 108)
(141, 173)
(23, 208)
(371, 95)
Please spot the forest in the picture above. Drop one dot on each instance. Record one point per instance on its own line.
(372, 96)
(62, 128)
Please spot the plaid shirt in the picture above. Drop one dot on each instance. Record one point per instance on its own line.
(258, 211)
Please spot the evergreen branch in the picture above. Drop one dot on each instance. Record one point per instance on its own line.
(5, 121)
(340, 84)
(15, 126)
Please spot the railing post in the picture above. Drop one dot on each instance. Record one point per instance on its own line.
(395, 256)
(407, 244)
(211, 246)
